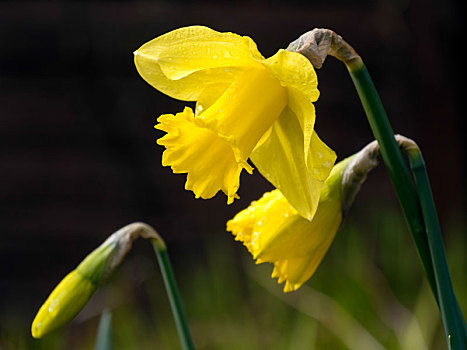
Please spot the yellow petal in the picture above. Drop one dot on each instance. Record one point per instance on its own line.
(208, 160)
(294, 71)
(298, 75)
(168, 61)
(188, 88)
(320, 159)
(66, 300)
(209, 96)
(281, 159)
(246, 110)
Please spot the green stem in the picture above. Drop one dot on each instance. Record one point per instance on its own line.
(104, 332)
(392, 156)
(453, 320)
(173, 293)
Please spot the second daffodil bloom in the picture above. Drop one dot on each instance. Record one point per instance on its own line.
(274, 232)
(241, 100)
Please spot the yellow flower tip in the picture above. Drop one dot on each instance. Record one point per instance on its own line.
(291, 287)
(288, 287)
(249, 169)
(230, 198)
(64, 303)
(274, 273)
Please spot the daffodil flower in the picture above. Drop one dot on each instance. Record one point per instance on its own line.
(246, 107)
(273, 231)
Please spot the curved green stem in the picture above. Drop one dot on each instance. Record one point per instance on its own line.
(173, 293)
(392, 156)
(453, 320)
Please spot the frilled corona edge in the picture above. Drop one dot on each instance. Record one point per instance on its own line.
(241, 100)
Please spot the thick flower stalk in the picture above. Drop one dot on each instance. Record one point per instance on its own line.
(274, 232)
(246, 107)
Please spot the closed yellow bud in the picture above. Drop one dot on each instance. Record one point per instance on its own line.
(66, 300)
(75, 290)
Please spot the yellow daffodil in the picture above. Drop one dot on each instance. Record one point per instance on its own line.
(246, 106)
(273, 231)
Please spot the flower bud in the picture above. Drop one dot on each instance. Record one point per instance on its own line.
(64, 303)
(75, 290)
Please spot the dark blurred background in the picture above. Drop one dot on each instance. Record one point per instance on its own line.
(78, 154)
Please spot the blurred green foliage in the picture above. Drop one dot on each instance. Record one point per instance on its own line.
(368, 293)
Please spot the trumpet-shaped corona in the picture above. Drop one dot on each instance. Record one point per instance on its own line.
(242, 103)
(273, 231)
